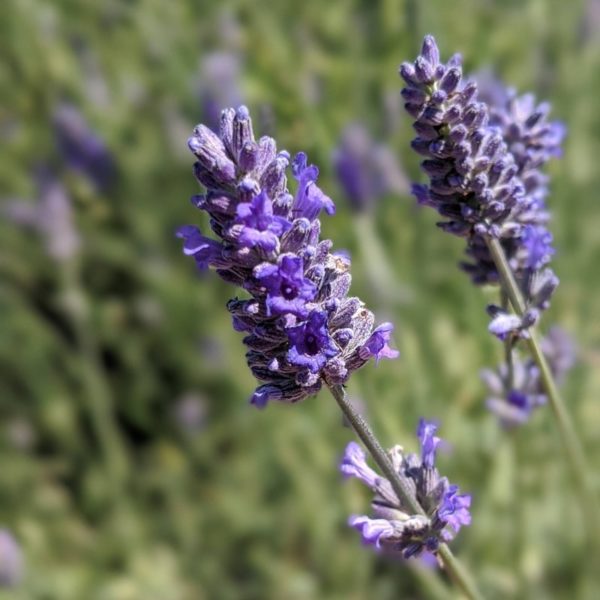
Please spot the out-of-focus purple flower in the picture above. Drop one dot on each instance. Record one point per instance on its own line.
(393, 527)
(302, 328)
(515, 392)
(190, 413)
(220, 76)
(51, 216)
(82, 149)
(365, 170)
(484, 165)
(11, 560)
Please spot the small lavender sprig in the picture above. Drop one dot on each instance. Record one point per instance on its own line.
(395, 527)
(402, 488)
(302, 328)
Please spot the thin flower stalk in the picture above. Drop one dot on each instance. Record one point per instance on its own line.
(570, 439)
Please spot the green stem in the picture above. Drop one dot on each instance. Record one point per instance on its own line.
(569, 437)
(380, 273)
(453, 567)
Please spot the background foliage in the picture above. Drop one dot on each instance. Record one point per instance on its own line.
(131, 465)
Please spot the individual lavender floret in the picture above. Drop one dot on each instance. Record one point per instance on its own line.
(11, 560)
(366, 170)
(483, 164)
(301, 327)
(394, 527)
(514, 394)
(82, 149)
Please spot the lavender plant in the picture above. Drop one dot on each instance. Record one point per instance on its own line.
(484, 165)
(302, 328)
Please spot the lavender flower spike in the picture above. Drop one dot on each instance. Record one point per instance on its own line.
(393, 527)
(484, 166)
(301, 327)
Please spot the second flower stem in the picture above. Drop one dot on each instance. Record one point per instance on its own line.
(453, 567)
(572, 444)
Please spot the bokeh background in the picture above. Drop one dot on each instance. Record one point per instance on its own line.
(131, 465)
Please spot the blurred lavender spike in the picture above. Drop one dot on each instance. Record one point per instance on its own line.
(82, 149)
(515, 392)
(51, 216)
(11, 560)
(219, 85)
(366, 170)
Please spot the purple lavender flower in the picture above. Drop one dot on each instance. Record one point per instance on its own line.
(515, 393)
(82, 149)
(311, 346)
(393, 527)
(301, 327)
(11, 560)
(288, 290)
(365, 170)
(484, 164)
(257, 225)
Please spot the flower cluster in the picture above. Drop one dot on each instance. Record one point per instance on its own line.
(394, 526)
(301, 327)
(366, 170)
(483, 160)
(517, 390)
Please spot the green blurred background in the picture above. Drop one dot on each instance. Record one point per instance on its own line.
(131, 465)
